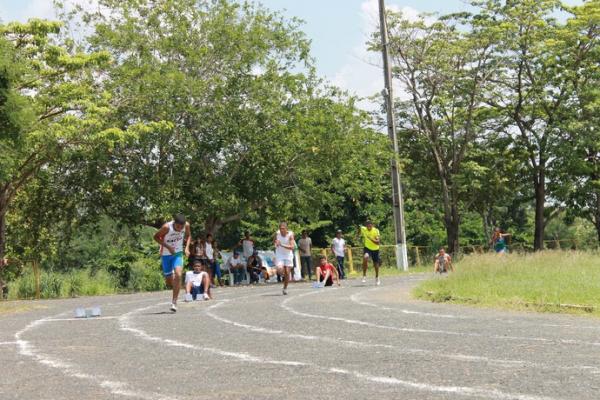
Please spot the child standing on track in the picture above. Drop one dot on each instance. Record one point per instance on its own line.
(171, 237)
(284, 253)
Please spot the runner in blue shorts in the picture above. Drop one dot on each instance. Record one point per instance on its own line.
(171, 237)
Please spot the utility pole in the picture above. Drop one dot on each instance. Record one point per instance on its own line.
(388, 94)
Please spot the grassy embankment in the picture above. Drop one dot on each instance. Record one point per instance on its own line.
(550, 281)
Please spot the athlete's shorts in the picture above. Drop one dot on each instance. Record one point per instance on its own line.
(372, 254)
(283, 262)
(329, 280)
(171, 262)
(197, 291)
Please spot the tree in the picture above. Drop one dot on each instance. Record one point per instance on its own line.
(49, 104)
(579, 162)
(247, 133)
(534, 84)
(444, 73)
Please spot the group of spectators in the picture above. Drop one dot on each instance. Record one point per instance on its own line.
(246, 263)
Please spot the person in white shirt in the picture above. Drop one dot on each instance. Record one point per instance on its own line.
(247, 245)
(197, 283)
(237, 268)
(284, 243)
(338, 247)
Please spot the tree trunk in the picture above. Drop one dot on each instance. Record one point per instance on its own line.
(452, 229)
(540, 200)
(3, 210)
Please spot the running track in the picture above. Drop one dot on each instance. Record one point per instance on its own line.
(355, 342)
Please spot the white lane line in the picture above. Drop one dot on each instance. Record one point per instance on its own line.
(81, 319)
(355, 298)
(504, 363)
(26, 349)
(127, 325)
(286, 307)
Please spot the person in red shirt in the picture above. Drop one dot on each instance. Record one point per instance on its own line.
(326, 272)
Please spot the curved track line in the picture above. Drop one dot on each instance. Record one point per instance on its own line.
(355, 299)
(403, 350)
(26, 349)
(126, 325)
(286, 307)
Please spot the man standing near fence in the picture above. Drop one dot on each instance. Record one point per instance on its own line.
(371, 240)
(305, 245)
(338, 247)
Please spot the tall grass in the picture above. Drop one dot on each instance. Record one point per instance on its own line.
(541, 280)
(87, 282)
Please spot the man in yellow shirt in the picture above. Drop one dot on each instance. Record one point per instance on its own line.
(371, 240)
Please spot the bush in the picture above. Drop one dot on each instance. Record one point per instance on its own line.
(145, 276)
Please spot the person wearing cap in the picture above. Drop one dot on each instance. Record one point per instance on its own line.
(236, 266)
(197, 282)
(170, 237)
(338, 247)
(371, 240)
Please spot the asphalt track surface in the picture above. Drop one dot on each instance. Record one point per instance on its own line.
(355, 342)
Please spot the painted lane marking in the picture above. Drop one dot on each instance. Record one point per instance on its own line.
(286, 307)
(26, 349)
(126, 325)
(504, 363)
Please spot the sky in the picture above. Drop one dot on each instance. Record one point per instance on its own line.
(338, 29)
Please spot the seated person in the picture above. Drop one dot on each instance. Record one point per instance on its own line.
(325, 273)
(254, 267)
(236, 266)
(197, 282)
(270, 270)
(443, 262)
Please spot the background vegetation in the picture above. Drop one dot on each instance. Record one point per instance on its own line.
(112, 120)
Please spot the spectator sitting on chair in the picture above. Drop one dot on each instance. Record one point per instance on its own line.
(325, 273)
(254, 267)
(197, 282)
(236, 267)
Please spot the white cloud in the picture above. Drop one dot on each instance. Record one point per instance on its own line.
(362, 74)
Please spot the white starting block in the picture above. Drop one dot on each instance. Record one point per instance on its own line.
(81, 312)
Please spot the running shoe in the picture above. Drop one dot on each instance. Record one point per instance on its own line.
(173, 307)
(364, 279)
(206, 296)
(378, 282)
(284, 292)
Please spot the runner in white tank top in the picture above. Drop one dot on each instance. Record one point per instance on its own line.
(174, 239)
(284, 253)
(171, 237)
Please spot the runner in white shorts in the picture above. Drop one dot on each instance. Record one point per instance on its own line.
(284, 253)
